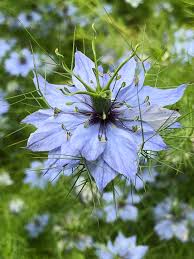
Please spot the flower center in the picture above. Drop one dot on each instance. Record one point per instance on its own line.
(104, 111)
(23, 60)
(29, 17)
(104, 118)
(101, 104)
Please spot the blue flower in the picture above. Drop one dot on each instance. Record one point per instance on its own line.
(37, 225)
(4, 106)
(6, 46)
(125, 208)
(29, 19)
(37, 175)
(147, 176)
(184, 44)
(172, 219)
(20, 63)
(103, 120)
(84, 242)
(122, 247)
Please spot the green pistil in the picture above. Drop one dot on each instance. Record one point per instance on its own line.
(115, 74)
(101, 105)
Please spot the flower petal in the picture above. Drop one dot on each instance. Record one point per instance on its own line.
(126, 75)
(153, 142)
(70, 157)
(142, 68)
(47, 139)
(52, 93)
(85, 139)
(121, 152)
(129, 212)
(83, 69)
(164, 229)
(145, 136)
(159, 118)
(71, 121)
(57, 99)
(102, 173)
(39, 117)
(160, 97)
(52, 169)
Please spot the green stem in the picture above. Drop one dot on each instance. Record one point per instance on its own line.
(87, 87)
(107, 87)
(96, 67)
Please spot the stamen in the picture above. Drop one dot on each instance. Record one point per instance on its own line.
(68, 134)
(104, 116)
(56, 112)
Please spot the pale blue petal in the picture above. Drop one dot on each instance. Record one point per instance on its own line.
(103, 254)
(137, 252)
(122, 245)
(154, 142)
(175, 125)
(156, 96)
(129, 212)
(133, 198)
(85, 139)
(126, 76)
(84, 69)
(57, 99)
(52, 93)
(142, 69)
(181, 230)
(52, 168)
(47, 139)
(38, 118)
(110, 211)
(159, 118)
(108, 197)
(121, 152)
(145, 135)
(70, 121)
(164, 229)
(102, 173)
(70, 157)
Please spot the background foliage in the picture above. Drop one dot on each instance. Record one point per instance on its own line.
(119, 26)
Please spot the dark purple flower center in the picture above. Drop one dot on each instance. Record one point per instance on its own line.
(29, 17)
(23, 60)
(105, 117)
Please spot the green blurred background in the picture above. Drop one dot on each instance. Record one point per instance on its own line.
(120, 25)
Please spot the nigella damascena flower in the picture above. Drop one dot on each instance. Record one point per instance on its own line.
(183, 48)
(125, 203)
(123, 247)
(103, 120)
(28, 19)
(37, 225)
(21, 63)
(173, 219)
(35, 177)
(6, 46)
